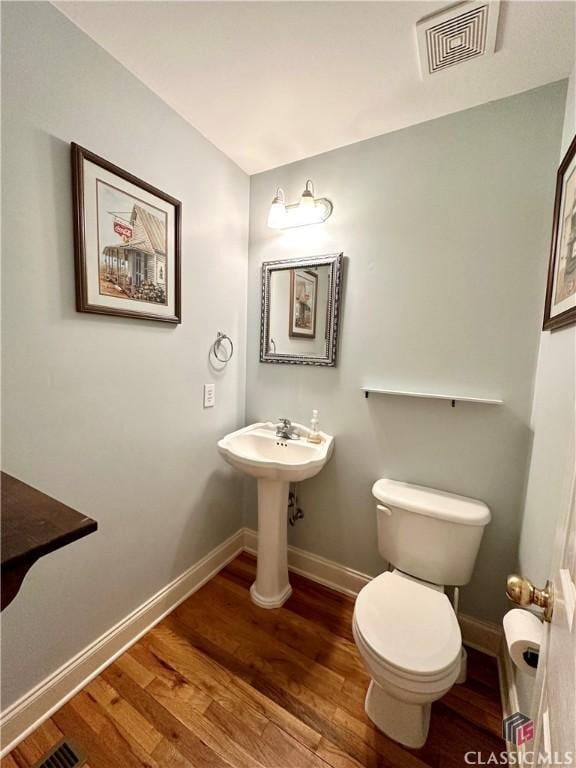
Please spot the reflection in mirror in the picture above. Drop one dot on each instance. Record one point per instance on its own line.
(300, 305)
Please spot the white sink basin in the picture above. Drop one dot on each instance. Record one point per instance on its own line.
(275, 462)
(257, 451)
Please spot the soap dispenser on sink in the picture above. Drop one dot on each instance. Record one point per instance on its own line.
(314, 436)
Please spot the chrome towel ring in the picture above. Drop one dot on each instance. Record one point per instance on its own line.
(218, 349)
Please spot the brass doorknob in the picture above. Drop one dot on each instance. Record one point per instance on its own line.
(522, 592)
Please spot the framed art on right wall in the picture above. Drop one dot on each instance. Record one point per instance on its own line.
(560, 308)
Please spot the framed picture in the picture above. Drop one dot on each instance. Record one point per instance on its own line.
(561, 290)
(303, 299)
(127, 242)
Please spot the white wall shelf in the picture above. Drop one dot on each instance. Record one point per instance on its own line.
(432, 396)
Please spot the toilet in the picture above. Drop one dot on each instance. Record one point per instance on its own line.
(404, 625)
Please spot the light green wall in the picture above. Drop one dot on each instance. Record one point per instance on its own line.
(552, 459)
(445, 230)
(554, 448)
(106, 413)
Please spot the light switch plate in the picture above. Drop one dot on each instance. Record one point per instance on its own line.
(209, 395)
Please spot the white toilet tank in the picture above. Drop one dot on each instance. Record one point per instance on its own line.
(432, 535)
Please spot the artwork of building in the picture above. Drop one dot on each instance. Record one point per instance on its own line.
(136, 269)
(566, 286)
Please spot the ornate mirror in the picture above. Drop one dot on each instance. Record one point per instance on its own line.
(300, 310)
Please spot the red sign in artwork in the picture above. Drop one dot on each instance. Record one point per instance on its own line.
(122, 229)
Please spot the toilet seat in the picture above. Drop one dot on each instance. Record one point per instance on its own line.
(410, 630)
(413, 687)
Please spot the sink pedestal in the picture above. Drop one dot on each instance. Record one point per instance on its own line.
(274, 461)
(272, 588)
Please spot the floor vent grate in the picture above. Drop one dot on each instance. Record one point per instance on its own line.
(64, 755)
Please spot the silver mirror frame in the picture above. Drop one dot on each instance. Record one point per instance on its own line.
(335, 261)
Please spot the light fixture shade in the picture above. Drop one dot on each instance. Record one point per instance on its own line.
(303, 214)
(277, 213)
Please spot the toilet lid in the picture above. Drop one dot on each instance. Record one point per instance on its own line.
(410, 626)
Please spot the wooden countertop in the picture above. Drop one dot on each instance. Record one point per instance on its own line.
(34, 525)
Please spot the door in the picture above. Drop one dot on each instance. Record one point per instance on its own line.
(555, 685)
(555, 689)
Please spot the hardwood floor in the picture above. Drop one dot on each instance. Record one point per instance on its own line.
(221, 683)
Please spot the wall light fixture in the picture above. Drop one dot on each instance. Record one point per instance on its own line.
(308, 210)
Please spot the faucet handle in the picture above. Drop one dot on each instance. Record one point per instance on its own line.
(285, 422)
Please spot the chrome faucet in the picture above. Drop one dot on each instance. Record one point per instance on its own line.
(285, 430)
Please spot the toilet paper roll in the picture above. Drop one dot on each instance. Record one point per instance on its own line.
(523, 631)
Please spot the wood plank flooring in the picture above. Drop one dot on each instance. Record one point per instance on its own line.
(221, 683)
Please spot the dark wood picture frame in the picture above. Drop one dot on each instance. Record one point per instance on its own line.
(568, 317)
(291, 332)
(79, 155)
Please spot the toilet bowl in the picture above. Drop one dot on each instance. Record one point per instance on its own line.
(404, 625)
(410, 642)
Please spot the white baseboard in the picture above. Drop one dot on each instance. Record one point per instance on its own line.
(36, 706)
(316, 568)
(510, 700)
(508, 690)
(481, 635)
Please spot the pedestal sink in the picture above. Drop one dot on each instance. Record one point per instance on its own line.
(275, 462)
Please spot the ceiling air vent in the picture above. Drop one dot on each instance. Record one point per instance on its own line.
(457, 34)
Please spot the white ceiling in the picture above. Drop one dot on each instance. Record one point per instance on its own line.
(273, 82)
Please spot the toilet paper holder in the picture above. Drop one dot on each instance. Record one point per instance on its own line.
(524, 632)
(531, 656)
(522, 592)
